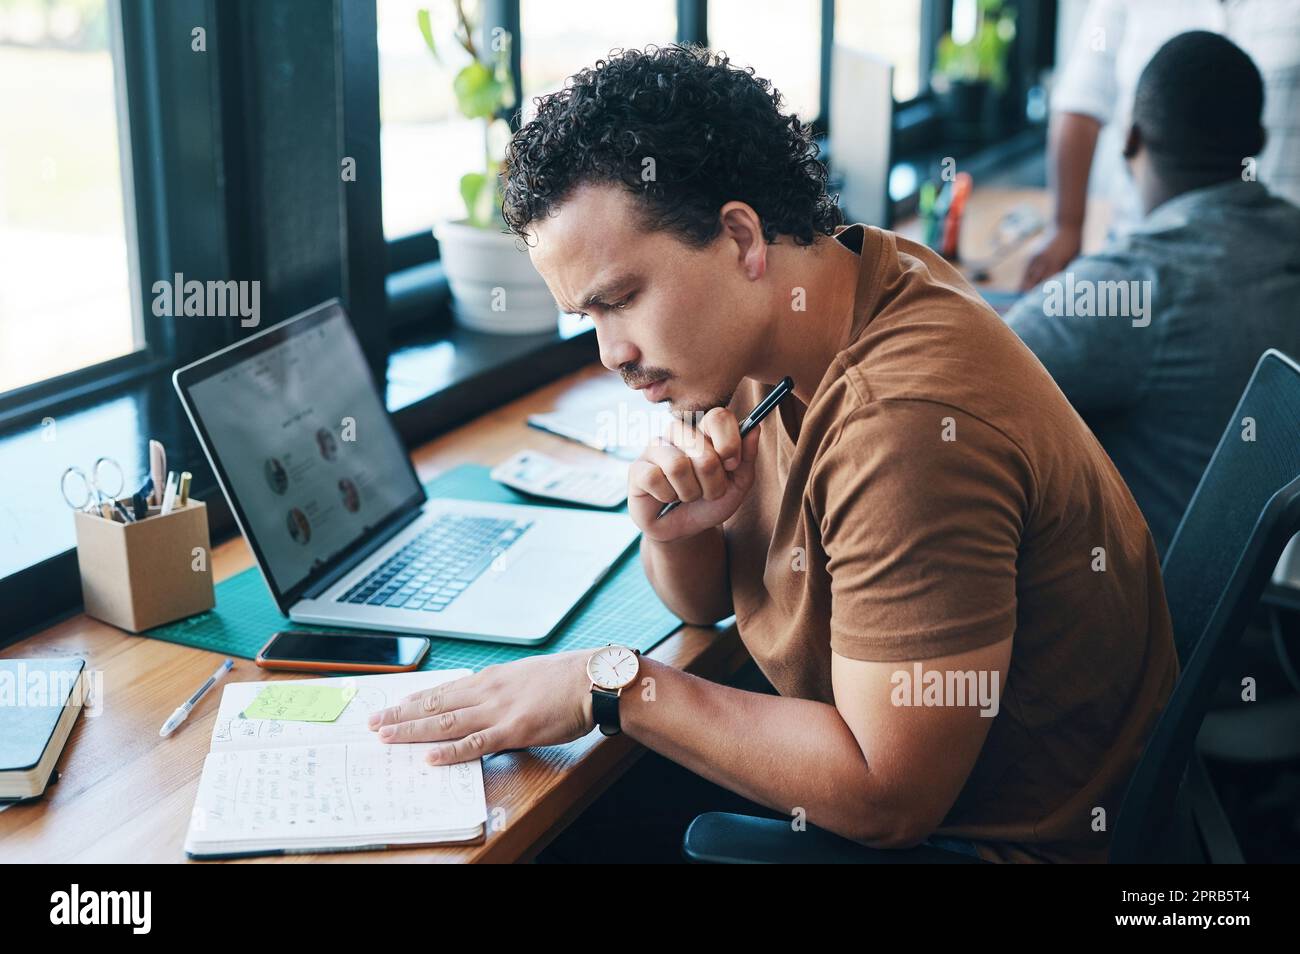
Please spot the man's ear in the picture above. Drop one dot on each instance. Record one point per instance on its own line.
(744, 229)
(1132, 142)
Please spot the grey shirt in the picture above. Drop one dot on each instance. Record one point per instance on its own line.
(1154, 338)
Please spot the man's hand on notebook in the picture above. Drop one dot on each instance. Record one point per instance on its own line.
(707, 467)
(540, 700)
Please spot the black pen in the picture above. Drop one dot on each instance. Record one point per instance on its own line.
(761, 410)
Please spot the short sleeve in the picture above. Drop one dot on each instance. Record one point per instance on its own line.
(921, 509)
(1092, 328)
(1088, 84)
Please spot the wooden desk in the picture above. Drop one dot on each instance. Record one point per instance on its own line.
(125, 794)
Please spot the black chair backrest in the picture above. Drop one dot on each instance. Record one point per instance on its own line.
(1245, 509)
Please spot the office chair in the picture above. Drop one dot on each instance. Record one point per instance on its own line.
(1245, 509)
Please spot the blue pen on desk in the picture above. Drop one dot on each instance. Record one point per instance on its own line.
(183, 710)
(751, 421)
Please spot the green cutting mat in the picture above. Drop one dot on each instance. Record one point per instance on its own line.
(622, 609)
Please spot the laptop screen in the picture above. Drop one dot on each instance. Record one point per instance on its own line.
(302, 441)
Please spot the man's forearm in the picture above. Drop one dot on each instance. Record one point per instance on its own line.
(785, 753)
(1073, 140)
(690, 575)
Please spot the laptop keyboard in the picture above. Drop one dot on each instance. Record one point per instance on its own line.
(438, 565)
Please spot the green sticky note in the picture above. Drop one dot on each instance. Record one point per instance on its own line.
(293, 702)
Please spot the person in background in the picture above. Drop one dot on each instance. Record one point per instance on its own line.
(1209, 280)
(1116, 39)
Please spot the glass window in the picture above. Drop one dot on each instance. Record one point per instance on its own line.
(780, 39)
(425, 144)
(890, 29)
(560, 37)
(65, 300)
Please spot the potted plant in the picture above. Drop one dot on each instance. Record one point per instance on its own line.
(494, 286)
(971, 77)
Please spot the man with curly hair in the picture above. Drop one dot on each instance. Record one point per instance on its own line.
(926, 551)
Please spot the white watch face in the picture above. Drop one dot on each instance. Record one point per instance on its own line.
(613, 667)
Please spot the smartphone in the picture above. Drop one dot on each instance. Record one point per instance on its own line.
(342, 652)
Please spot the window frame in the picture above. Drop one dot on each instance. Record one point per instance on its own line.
(156, 185)
(420, 249)
(917, 124)
(917, 121)
(128, 107)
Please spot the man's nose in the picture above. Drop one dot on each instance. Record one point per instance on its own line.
(614, 352)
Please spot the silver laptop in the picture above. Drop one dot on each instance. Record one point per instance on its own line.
(323, 490)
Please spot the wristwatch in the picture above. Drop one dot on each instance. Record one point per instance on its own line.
(611, 670)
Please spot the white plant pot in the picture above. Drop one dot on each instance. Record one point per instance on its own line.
(494, 287)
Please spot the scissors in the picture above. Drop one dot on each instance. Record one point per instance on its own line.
(99, 490)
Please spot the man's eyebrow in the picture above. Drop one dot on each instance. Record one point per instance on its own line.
(604, 292)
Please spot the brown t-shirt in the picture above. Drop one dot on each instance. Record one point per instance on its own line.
(937, 495)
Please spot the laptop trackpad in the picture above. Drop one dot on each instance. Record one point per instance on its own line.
(552, 570)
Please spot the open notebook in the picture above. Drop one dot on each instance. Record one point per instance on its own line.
(279, 787)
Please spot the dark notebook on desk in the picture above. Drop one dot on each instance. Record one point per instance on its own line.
(39, 702)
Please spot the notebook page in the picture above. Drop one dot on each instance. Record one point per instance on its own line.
(332, 795)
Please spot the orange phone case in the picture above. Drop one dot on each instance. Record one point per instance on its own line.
(310, 665)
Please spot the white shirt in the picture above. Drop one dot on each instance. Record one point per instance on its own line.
(1117, 39)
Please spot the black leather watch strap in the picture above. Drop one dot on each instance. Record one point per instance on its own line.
(604, 710)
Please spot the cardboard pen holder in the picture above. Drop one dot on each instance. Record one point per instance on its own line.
(144, 574)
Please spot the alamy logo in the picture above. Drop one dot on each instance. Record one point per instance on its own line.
(946, 687)
(1084, 298)
(195, 299)
(103, 907)
(23, 688)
